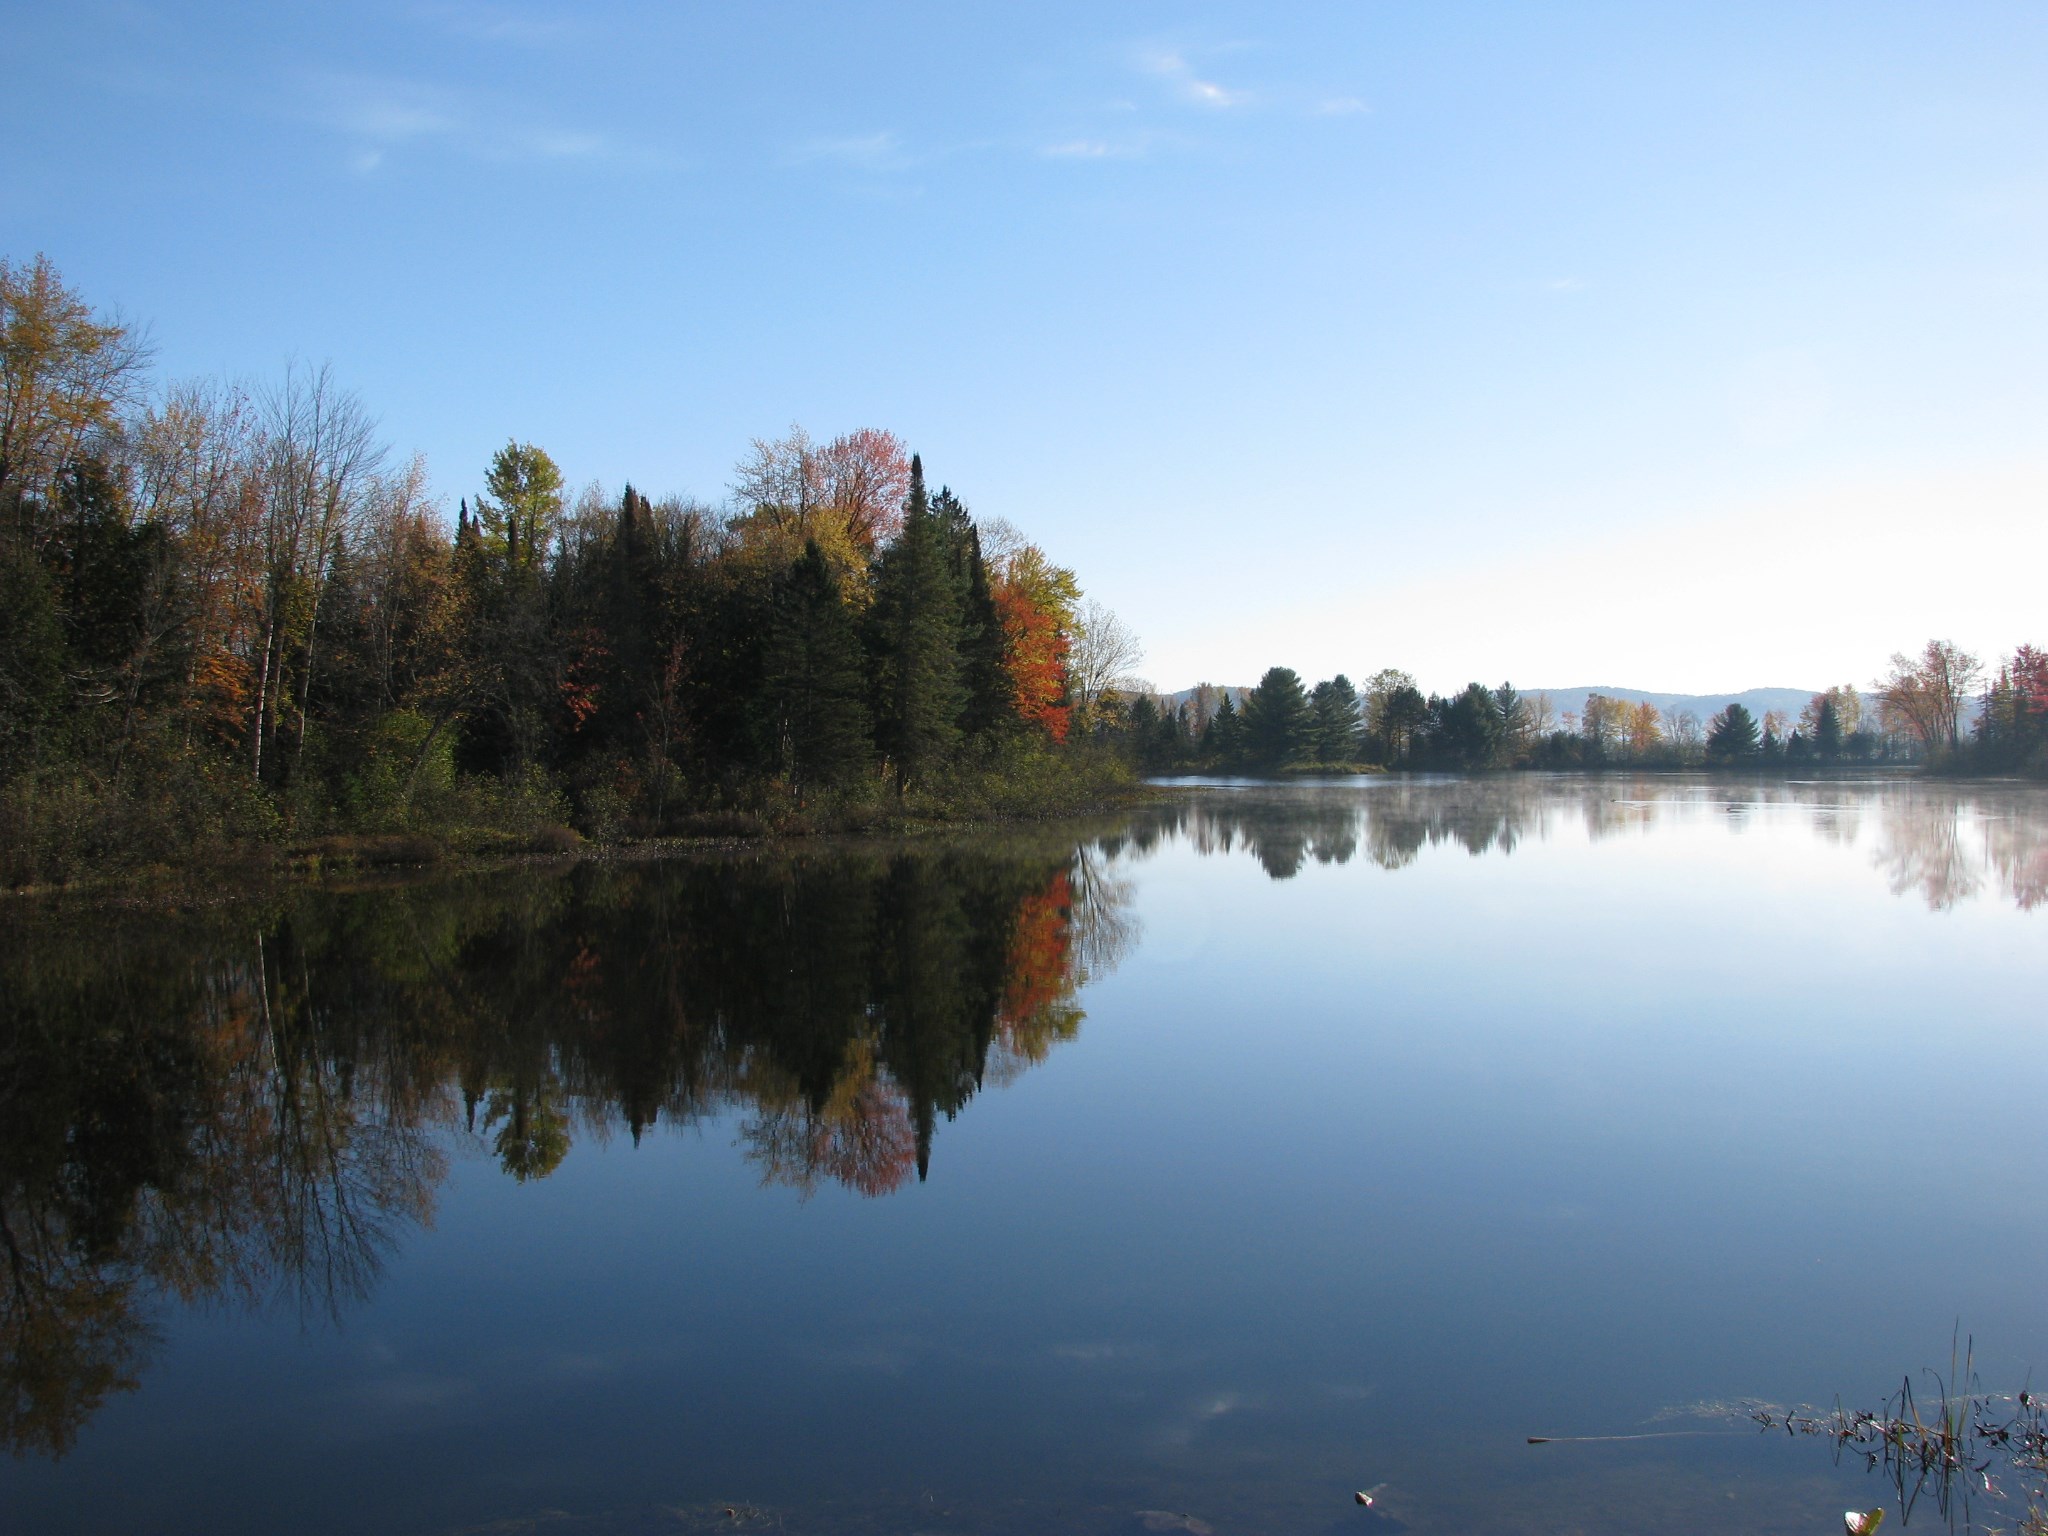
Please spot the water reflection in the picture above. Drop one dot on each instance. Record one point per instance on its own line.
(1945, 844)
(256, 1110)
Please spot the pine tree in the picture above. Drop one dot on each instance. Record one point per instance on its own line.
(915, 636)
(1732, 736)
(1223, 742)
(812, 682)
(1277, 719)
(1827, 731)
(1334, 730)
(989, 702)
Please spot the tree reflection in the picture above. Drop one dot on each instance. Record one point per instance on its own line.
(216, 1109)
(1944, 843)
(1923, 846)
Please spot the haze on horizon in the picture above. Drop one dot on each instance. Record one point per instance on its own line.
(1573, 345)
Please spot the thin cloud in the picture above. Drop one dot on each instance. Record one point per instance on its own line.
(1567, 285)
(878, 153)
(1341, 106)
(381, 116)
(1115, 146)
(882, 158)
(1172, 65)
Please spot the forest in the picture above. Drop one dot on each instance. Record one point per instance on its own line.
(1915, 714)
(229, 619)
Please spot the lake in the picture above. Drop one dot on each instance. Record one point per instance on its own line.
(1223, 1158)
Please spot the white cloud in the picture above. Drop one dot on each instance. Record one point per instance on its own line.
(1077, 149)
(1341, 106)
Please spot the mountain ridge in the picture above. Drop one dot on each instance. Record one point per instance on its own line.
(1758, 701)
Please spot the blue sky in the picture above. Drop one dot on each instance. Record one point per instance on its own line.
(1687, 347)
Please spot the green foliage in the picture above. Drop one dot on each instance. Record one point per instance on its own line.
(1827, 731)
(813, 715)
(1225, 740)
(32, 660)
(1468, 728)
(915, 639)
(1732, 736)
(519, 519)
(990, 697)
(1277, 719)
(1336, 725)
(406, 773)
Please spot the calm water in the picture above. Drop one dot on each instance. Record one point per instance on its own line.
(1257, 1148)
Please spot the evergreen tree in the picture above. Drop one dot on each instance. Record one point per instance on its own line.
(1141, 725)
(1170, 745)
(989, 703)
(32, 658)
(1277, 719)
(1732, 736)
(1827, 731)
(812, 682)
(1223, 742)
(1468, 729)
(1335, 727)
(915, 639)
(1511, 714)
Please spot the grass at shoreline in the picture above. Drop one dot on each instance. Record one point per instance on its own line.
(88, 856)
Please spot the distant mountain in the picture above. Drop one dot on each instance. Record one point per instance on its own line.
(1758, 701)
(1236, 692)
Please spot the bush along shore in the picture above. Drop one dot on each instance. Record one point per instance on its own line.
(233, 628)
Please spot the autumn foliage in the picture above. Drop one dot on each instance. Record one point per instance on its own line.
(228, 613)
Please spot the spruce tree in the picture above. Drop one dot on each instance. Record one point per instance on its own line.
(1223, 742)
(814, 718)
(1335, 727)
(989, 702)
(1277, 719)
(915, 637)
(1827, 731)
(1732, 736)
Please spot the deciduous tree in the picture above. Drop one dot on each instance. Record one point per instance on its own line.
(1103, 654)
(1923, 696)
(65, 377)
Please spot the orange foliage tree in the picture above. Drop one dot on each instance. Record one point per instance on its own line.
(1035, 602)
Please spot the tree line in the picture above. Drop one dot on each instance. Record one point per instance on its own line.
(1916, 713)
(226, 612)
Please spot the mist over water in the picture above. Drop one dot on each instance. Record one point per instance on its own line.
(1264, 1144)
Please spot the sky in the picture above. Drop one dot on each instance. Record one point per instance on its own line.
(1681, 347)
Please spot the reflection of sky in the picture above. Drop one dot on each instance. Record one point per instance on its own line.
(1351, 1177)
